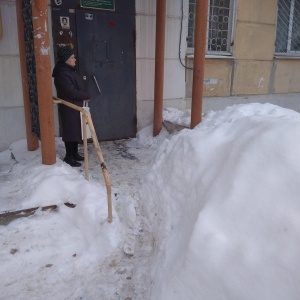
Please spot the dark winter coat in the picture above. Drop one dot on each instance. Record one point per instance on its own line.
(69, 87)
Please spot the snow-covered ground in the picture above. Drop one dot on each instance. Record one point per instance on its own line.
(210, 213)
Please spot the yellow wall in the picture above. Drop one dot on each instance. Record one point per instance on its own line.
(286, 76)
(252, 68)
(217, 77)
(251, 77)
(254, 46)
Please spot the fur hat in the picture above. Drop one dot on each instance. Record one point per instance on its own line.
(63, 53)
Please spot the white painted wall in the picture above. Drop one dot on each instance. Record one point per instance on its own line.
(174, 77)
(12, 120)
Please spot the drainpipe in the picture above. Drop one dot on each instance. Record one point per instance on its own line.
(199, 61)
(159, 65)
(32, 140)
(44, 83)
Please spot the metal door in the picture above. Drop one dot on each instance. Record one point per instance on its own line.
(106, 61)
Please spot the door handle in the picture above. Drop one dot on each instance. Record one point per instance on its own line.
(96, 82)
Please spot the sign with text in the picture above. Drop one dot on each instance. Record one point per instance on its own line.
(98, 4)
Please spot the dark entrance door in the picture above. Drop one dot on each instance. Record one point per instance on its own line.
(106, 60)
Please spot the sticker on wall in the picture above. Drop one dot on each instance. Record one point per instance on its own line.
(65, 22)
(89, 16)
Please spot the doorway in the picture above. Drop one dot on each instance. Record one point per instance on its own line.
(105, 46)
(106, 52)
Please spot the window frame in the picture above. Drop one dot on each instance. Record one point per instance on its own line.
(288, 41)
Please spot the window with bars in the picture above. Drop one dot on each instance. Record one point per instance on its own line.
(288, 28)
(219, 27)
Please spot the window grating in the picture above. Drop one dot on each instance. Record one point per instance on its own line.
(288, 27)
(219, 25)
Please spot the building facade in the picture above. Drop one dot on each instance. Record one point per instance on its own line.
(253, 55)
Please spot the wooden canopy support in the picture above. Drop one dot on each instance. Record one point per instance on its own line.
(199, 61)
(44, 84)
(159, 65)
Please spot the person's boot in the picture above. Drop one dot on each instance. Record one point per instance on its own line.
(71, 161)
(75, 153)
(78, 157)
(69, 158)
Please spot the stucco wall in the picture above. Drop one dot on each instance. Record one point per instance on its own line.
(286, 76)
(217, 76)
(254, 46)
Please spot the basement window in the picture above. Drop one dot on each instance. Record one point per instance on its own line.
(219, 28)
(288, 28)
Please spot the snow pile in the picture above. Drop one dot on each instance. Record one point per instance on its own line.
(216, 217)
(53, 248)
(224, 203)
(146, 139)
(178, 117)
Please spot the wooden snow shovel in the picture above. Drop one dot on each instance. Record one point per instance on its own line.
(86, 117)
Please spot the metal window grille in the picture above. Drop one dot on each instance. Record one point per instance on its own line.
(219, 27)
(288, 27)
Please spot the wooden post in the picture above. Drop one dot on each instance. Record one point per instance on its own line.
(32, 140)
(43, 74)
(86, 155)
(159, 65)
(199, 60)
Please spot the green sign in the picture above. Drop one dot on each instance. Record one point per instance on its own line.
(98, 4)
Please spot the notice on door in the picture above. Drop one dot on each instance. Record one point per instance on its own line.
(98, 4)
